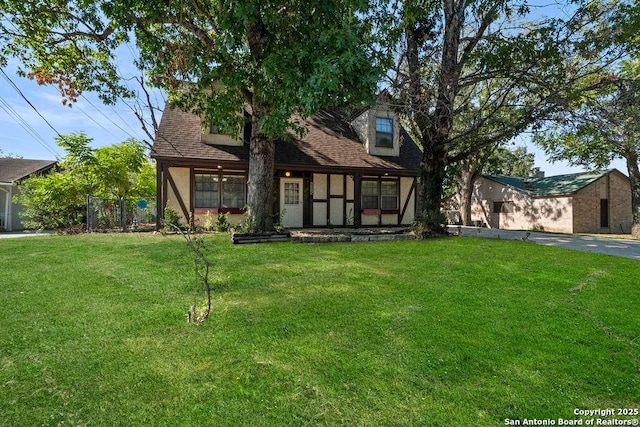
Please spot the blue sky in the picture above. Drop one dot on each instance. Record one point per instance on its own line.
(31, 134)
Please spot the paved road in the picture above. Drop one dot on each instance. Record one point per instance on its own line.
(617, 247)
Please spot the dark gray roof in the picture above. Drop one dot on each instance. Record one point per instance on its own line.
(329, 143)
(12, 170)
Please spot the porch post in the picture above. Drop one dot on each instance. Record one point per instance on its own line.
(357, 199)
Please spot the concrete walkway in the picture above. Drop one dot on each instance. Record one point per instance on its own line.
(626, 248)
(16, 234)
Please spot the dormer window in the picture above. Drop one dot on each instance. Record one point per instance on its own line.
(384, 132)
(379, 130)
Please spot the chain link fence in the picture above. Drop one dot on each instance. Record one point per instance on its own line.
(121, 214)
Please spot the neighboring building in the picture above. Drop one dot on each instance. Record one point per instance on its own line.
(12, 171)
(345, 171)
(592, 202)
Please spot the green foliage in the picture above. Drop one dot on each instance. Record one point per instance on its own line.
(504, 161)
(171, 219)
(245, 225)
(53, 201)
(601, 125)
(58, 200)
(216, 223)
(279, 59)
(289, 56)
(475, 74)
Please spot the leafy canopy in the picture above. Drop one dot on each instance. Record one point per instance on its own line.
(289, 56)
(58, 200)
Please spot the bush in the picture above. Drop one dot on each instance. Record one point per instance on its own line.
(171, 219)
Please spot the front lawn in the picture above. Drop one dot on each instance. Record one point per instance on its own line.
(454, 331)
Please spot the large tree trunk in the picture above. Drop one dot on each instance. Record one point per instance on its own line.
(260, 180)
(465, 192)
(435, 135)
(432, 174)
(634, 178)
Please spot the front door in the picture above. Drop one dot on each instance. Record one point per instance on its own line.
(291, 202)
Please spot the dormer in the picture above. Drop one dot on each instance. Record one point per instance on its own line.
(379, 130)
(214, 135)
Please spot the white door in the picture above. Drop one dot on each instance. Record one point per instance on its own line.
(291, 202)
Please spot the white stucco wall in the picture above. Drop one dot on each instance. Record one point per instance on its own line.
(337, 212)
(405, 189)
(182, 178)
(319, 192)
(319, 213)
(319, 186)
(369, 219)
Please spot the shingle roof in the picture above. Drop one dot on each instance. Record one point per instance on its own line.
(559, 185)
(12, 170)
(329, 142)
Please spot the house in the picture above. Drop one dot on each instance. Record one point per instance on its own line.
(12, 171)
(591, 202)
(357, 170)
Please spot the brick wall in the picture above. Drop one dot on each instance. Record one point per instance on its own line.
(620, 216)
(587, 206)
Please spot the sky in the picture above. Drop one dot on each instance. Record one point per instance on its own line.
(31, 117)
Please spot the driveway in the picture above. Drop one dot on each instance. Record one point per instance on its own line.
(626, 248)
(16, 234)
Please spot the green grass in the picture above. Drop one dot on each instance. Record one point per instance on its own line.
(454, 331)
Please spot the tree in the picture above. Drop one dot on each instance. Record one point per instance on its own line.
(278, 58)
(474, 74)
(494, 160)
(4, 155)
(58, 200)
(601, 126)
(603, 123)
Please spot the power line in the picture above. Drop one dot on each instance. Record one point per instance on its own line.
(109, 118)
(17, 89)
(6, 107)
(90, 117)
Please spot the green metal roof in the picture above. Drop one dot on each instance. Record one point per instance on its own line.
(559, 185)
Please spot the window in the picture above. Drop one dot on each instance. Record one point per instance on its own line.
(206, 190)
(291, 193)
(388, 195)
(233, 191)
(384, 132)
(604, 213)
(209, 187)
(381, 195)
(369, 194)
(503, 207)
